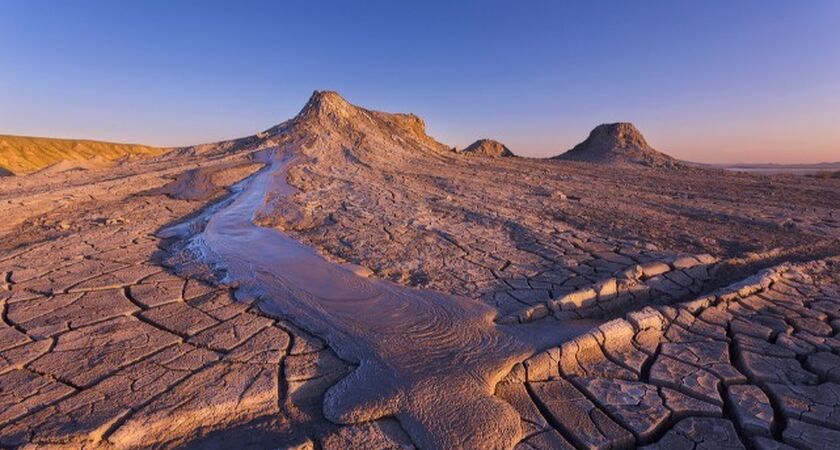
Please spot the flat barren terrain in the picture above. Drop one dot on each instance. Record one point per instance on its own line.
(342, 280)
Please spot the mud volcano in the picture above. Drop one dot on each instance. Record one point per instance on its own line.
(618, 143)
(409, 345)
(487, 148)
(343, 280)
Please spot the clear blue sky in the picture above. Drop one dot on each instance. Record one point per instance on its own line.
(708, 81)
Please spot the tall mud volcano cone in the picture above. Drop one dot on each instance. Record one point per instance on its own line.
(618, 143)
(328, 115)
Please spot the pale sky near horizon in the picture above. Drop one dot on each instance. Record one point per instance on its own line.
(711, 81)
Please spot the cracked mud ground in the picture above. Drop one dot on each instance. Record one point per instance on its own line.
(717, 295)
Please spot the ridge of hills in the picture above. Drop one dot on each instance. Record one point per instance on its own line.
(22, 155)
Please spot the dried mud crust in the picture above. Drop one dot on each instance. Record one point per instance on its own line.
(752, 365)
(547, 239)
(102, 347)
(421, 215)
(534, 237)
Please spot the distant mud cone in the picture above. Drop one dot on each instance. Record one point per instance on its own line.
(487, 148)
(618, 143)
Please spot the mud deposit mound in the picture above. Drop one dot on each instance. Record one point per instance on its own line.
(535, 304)
(618, 143)
(488, 148)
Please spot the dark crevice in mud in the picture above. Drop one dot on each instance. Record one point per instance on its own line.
(728, 408)
(282, 383)
(570, 437)
(4, 317)
(126, 291)
(49, 376)
(779, 420)
(644, 374)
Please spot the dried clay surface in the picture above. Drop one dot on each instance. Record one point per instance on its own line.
(343, 281)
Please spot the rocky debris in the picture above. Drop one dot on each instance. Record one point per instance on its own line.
(618, 143)
(487, 148)
(115, 221)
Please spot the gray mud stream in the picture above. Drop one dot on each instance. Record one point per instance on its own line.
(428, 359)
